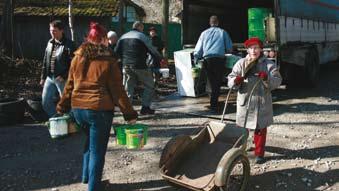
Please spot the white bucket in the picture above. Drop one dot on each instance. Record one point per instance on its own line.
(58, 126)
(164, 72)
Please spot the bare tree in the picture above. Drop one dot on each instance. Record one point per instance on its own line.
(52, 4)
(7, 29)
(165, 11)
(121, 18)
(70, 18)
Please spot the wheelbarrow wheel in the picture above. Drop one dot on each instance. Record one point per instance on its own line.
(238, 175)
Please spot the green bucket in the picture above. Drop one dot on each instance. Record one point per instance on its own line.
(131, 135)
(195, 72)
(136, 136)
(120, 134)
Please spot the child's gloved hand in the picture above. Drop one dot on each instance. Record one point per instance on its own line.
(238, 80)
(263, 75)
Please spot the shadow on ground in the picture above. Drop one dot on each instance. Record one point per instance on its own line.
(303, 107)
(293, 179)
(310, 154)
(30, 159)
(280, 180)
(152, 185)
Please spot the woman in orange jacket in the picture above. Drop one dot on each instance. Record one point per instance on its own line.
(93, 88)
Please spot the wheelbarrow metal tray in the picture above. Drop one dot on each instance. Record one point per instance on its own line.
(192, 161)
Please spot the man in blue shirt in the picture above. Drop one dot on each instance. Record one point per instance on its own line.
(212, 45)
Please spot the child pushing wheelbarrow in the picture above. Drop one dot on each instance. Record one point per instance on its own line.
(215, 158)
(243, 77)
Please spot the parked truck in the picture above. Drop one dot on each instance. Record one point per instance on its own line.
(303, 33)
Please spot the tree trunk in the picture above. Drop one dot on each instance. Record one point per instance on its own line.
(12, 28)
(51, 17)
(121, 18)
(70, 18)
(165, 10)
(7, 29)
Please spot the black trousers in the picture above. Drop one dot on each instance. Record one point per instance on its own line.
(215, 69)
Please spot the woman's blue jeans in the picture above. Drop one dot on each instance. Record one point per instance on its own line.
(97, 126)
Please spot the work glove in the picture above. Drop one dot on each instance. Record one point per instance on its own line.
(163, 63)
(262, 75)
(238, 80)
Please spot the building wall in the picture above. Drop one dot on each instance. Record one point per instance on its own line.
(174, 34)
(32, 33)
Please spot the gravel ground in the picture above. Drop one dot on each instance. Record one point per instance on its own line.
(302, 148)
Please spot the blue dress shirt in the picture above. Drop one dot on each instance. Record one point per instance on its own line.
(213, 42)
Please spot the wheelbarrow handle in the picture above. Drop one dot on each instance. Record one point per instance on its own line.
(226, 103)
(248, 103)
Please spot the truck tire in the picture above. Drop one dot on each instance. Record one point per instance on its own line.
(289, 74)
(12, 110)
(311, 67)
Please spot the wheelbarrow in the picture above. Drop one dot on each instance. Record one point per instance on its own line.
(213, 159)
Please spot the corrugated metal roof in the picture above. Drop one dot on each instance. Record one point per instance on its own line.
(60, 7)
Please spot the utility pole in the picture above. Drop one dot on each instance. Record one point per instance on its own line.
(165, 13)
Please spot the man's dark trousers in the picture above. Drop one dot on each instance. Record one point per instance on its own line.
(215, 69)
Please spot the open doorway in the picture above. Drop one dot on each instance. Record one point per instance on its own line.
(233, 17)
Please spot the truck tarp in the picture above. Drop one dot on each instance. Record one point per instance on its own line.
(323, 10)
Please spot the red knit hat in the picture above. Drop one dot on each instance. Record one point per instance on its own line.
(253, 41)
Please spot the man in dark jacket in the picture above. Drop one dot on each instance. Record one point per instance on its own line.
(55, 66)
(156, 40)
(159, 45)
(132, 48)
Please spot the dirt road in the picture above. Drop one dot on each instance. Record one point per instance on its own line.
(302, 148)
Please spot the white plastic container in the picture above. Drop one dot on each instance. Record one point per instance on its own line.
(58, 126)
(164, 72)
